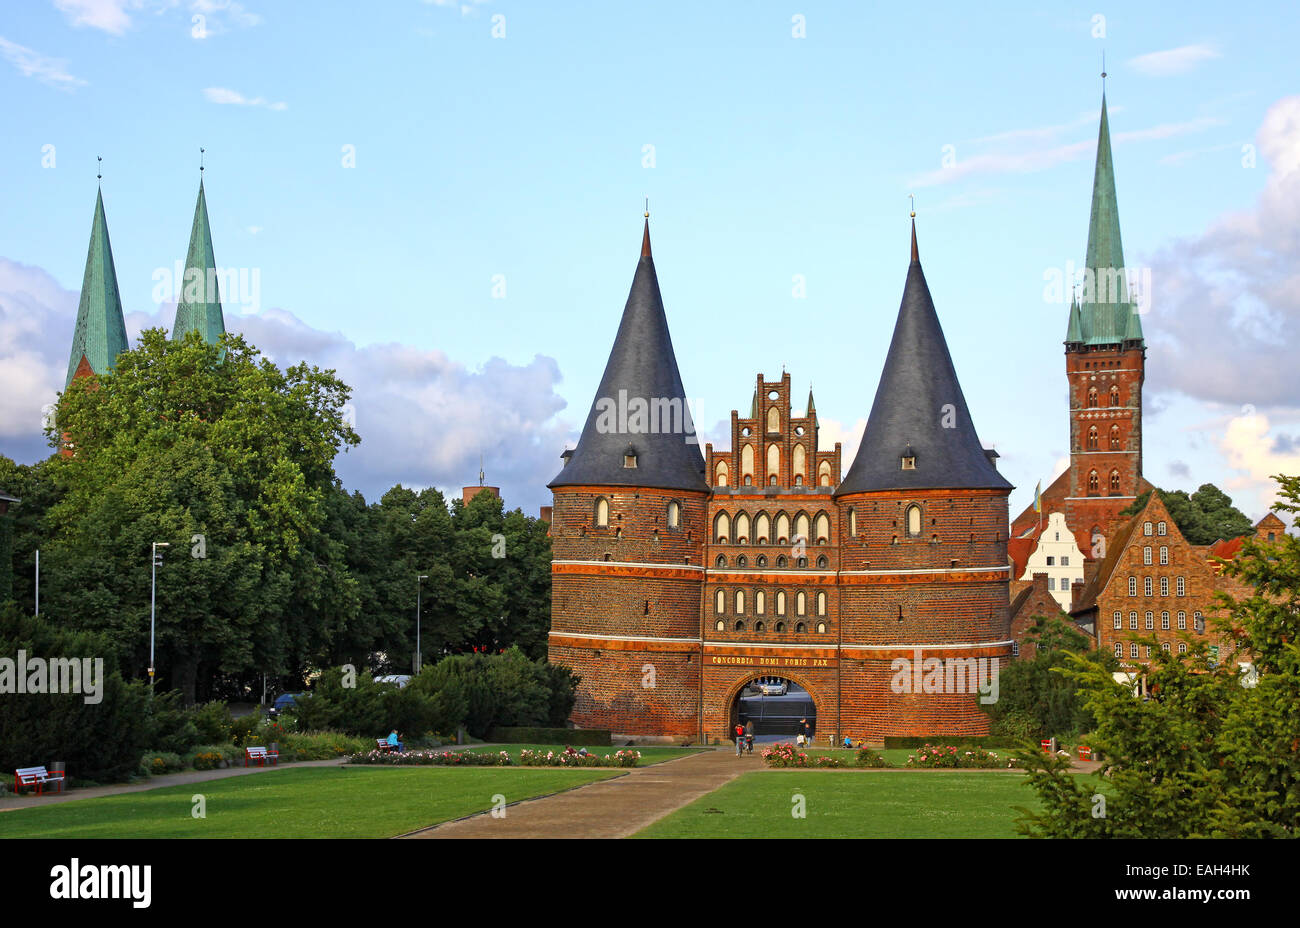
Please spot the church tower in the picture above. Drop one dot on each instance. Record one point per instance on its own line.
(1105, 361)
(628, 532)
(100, 334)
(198, 308)
(923, 557)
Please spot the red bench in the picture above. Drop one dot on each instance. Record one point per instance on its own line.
(261, 755)
(28, 777)
(382, 745)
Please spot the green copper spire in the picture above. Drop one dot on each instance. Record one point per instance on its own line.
(1106, 314)
(100, 335)
(1074, 333)
(199, 307)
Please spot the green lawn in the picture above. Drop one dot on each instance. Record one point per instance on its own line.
(649, 755)
(315, 802)
(855, 804)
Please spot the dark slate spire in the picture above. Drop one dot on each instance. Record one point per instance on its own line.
(640, 414)
(919, 411)
(1106, 315)
(100, 334)
(199, 307)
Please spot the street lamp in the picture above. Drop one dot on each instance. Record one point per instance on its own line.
(153, 587)
(418, 581)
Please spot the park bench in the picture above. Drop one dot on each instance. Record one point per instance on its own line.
(261, 755)
(27, 777)
(382, 745)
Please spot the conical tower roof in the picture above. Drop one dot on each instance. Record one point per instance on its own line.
(199, 306)
(1106, 315)
(100, 334)
(919, 411)
(640, 408)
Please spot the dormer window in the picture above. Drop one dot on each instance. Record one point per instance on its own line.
(908, 459)
(629, 457)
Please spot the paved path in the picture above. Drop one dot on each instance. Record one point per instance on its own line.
(612, 808)
(28, 800)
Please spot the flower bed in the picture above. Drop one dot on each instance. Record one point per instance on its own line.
(935, 756)
(572, 758)
(784, 755)
(433, 758)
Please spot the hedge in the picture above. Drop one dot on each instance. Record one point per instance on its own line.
(526, 735)
(909, 743)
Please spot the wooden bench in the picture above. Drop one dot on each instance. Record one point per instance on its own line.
(382, 745)
(261, 755)
(27, 777)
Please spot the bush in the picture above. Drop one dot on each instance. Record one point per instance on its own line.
(206, 760)
(434, 758)
(157, 763)
(869, 758)
(517, 735)
(212, 722)
(244, 729)
(826, 761)
(1016, 725)
(573, 758)
(323, 745)
(932, 756)
(784, 755)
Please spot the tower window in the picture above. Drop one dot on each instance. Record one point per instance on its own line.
(1092, 438)
(602, 513)
(853, 521)
(1114, 396)
(913, 521)
(1114, 438)
(1114, 483)
(1092, 397)
(674, 515)
(821, 628)
(1094, 483)
(629, 459)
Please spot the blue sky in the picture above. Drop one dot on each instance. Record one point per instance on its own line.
(773, 156)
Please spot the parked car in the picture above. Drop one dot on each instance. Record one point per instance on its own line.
(285, 701)
(774, 689)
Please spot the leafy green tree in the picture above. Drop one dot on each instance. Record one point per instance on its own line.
(1034, 699)
(1206, 755)
(228, 459)
(1204, 517)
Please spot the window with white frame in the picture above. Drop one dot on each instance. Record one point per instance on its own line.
(1181, 586)
(1164, 586)
(1146, 586)
(1182, 620)
(1164, 621)
(1118, 619)
(1150, 621)
(1164, 554)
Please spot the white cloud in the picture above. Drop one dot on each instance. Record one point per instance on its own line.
(224, 95)
(423, 417)
(850, 436)
(1174, 60)
(1256, 450)
(111, 16)
(30, 63)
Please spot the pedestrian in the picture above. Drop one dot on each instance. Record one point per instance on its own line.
(740, 738)
(806, 730)
(749, 736)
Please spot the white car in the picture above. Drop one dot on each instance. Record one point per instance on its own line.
(773, 689)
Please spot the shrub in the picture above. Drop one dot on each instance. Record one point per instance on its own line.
(934, 756)
(869, 758)
(212, 722)
(206, 760)
(571, 757)
(822, 760)
(244, 729)
(157, 763)
(434, 758)
(323, 745)
(784, 755)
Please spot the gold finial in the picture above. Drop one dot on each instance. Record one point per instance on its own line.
(911, 198)
(647, 207)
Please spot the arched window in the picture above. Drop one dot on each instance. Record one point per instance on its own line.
(747, 462)
(720, 603)
(773, 419)
(1093, 481)
(1146, 554)
(824, 474)
(773, 461)
(913, 520)
(800, 603)
(602, 513)
(822, 562)
(802, 562)
(721, 479)
(740, 625)
(742, 529)
(780, 602)
(780, 626)
(721, 561)
(821, 603)
(722, 529)
(1092, 397)
(674, 514)
(853, 522)
(1164, 554)
(1146, 586)
(760, 561)
(760, 627)
(1162, 528)
(799, 460)
(721, 626)
(821, 628)
(1150, 620)
(1132, 586)
(1114, 438)
(1114, 395)
(780, 560)
(742, 561)
(740, 602)
(1114, 483)
(760, 602)
(801, 526)
(822, 528)
(762, 528)
(1092, 438)
(782, 528)
(1164, 586)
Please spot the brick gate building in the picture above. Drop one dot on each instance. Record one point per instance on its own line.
(678, 577)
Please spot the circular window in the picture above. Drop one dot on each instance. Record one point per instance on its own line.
(798, 429)
(774, 395)
(745, 432)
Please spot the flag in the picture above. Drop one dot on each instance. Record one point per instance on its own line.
(1038, 497)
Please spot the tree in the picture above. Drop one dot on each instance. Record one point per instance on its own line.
(227, 458)
(1204, 517)
(1206, 755)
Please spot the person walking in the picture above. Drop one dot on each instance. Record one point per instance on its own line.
(806, 730)
(740, 738)
(749, 736)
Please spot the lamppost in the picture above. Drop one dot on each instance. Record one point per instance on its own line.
(153, 588)
(418, 581)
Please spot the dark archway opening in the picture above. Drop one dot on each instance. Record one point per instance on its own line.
(776, 707)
